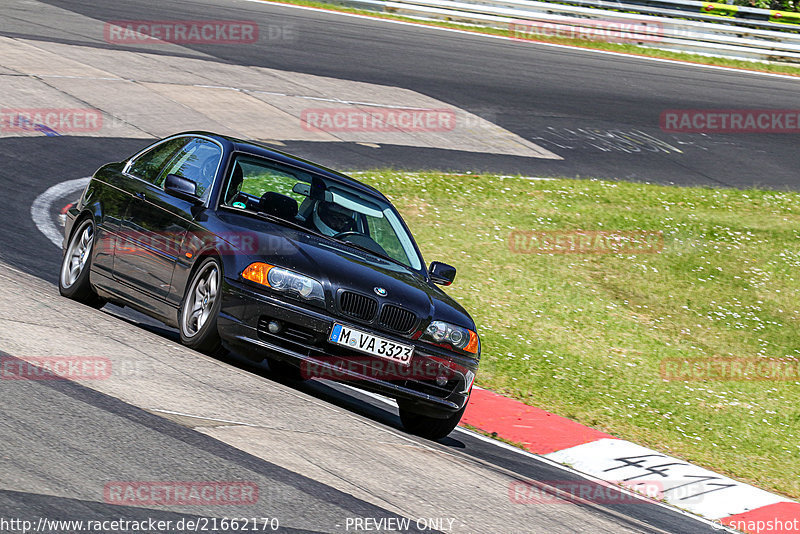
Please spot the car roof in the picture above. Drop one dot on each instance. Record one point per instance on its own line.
(256, 149)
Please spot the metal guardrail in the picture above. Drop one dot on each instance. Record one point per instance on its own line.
(739, 13)
(617, 22)
(696, 10)
(689, 10)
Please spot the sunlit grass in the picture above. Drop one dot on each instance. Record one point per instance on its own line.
(583, 335)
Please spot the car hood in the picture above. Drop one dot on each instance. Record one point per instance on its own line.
(339, 266)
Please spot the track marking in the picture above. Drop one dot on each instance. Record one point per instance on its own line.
(200, 417)
(563, 467)
(40, 209)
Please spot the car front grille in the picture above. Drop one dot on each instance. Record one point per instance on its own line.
(397, 319)
(357, 305)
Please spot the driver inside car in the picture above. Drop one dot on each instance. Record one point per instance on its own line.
(332, 219)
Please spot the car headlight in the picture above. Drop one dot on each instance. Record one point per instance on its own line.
(441, 333)
(284, 280)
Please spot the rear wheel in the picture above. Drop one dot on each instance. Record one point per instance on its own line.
(73, 282)
(430, 427)
(200, 308)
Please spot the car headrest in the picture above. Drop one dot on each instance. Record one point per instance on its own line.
(237, 178)
(278, 205)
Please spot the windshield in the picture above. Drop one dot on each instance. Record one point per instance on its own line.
(320, 205)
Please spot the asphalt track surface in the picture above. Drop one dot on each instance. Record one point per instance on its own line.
(530, 90)
(89, 432)
(566, 100)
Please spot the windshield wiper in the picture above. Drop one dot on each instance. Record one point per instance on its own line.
(361, 247)
(273, 218)
(368, 250)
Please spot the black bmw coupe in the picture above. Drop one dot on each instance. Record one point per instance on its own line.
(272, 256)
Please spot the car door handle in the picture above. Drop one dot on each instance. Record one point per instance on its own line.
(140, 195)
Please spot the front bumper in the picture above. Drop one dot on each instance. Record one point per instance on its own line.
(303, 341)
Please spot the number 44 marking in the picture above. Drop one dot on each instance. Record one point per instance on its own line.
(662, 470)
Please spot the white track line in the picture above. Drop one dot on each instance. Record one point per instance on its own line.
(170, 412)
(40, 209)
(531, 43)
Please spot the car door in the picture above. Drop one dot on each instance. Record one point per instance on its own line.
(156, 222)
(108, 190)
(143, 167)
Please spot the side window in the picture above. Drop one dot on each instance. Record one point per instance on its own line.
(260, 179)
(250, 179)
(148, 166)
(197, 161)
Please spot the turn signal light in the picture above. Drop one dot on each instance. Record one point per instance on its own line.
(473, 344)
(258, 273)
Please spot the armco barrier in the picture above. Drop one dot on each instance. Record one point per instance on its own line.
(686, 9)
(725, 37)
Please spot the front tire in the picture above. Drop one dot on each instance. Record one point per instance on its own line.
(200, 307)
(73, 280)
(430, 427)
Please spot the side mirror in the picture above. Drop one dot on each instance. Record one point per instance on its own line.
(441, 273)
(181, 187)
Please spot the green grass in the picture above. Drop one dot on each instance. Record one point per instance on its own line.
(583, 43)
(583, 335)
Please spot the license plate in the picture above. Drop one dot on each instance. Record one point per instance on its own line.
(369, 344)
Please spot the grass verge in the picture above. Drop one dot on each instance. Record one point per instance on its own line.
(584, 335)
(624, 48)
